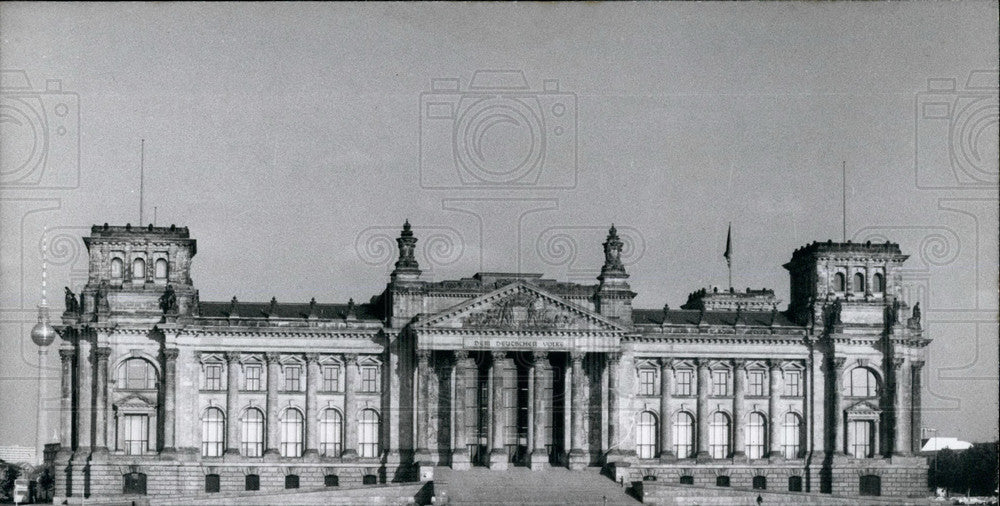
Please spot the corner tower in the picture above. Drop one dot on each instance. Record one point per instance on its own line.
(138, 273)
(864, 277)
(614, 295)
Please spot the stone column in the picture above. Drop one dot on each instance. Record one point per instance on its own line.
(498, 452)
(170, 400)
(838, 406)
(616, 446)
(539, 458)
(312, 385)
(273, 384)
(915, 442)
(666, 427)
(350, 410)
(66, 402)
(84, 396)
(233, 402)
(703, 386)
(739, 443)
(901, 419)
(101, 355)
(577, 455)
(774, 390)
(460, 453)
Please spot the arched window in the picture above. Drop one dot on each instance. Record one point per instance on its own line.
(683, 435)
(291, 433)
(859, 283)
(331, 429)
(213, 430)
(645, 436)
(116, 268)
(862, 383)
(368, 437)
(791, 436)
(718, 435)
(862, 435)
(160, 268)
(878, 283)
(756, 431)
(838, 282)
(252, 441)
(136, 374)
(138, 270)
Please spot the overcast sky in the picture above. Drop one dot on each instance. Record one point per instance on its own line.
(294, 140)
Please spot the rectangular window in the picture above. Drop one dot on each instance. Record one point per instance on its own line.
(684, 378)
(755, 383)
(647, 381)
(213, 376)
(369, 379)
(331, 378)
(720, 383)
(861, 444)
(293, 375)
(252, 381)
(793, 383)
(136, 431)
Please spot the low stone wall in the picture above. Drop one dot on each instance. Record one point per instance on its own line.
(166, 479)
(651, 492)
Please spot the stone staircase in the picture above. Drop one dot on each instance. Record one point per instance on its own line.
(393, 494)
(520, 485)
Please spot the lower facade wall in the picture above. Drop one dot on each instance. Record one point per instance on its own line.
(171, 478)
(897, 476)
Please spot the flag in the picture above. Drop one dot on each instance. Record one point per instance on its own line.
(729, 245)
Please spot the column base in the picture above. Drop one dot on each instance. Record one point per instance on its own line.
(230, 454)
(703, 457)
(271, 455)
(81, 455)
(578, 459)
(311, 455)
(668, 456)
(538, 460)
(425, 471)
(498, 459)
(99, 454)
(351, 455)
(460, 460)
(168, 454)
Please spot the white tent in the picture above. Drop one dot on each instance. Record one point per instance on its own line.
(940, 443)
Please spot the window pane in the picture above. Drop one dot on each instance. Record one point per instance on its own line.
(791, 436)
(683, 435)
(136, 431)
(252, 442)
(720, 383)
(368, 437)
(331, 378)
(330, 430)
(646, 435)
(755, 431)
(291, 434)
(793, 383)
(292, 375)
(684, 382)
(213, 428)
(718, 436)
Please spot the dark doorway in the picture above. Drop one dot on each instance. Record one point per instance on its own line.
(795, 484)
(135, 483)
(212, 483)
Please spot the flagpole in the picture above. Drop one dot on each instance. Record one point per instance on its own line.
(729, 254)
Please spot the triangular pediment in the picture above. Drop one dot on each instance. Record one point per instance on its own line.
(863, 408)
(519, 306)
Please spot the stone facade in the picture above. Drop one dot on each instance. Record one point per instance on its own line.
(164, 393)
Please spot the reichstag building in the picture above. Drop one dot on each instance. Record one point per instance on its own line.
(165, 394)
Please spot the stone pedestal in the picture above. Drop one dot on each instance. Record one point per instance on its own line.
(538, 460)
(498, 459)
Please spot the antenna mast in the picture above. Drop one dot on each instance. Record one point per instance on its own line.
(142, 163)
(844, 193)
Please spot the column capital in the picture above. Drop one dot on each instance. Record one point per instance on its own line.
(312, 358)
(897, 362)
(422, 355)
(461, 354)
(917, 365)
(67, 355)
(739, 363)
(577, 356)
(614, 356)
(102, 353)
(539, 356)
(838, 362)
(666, 363)
(500, 355)
(701, 363)
(171, 353)
(774, 364)
(352, 358)
(234, 356)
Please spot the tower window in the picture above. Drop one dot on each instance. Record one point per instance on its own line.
(160, 269)
(139, 269)
(878, 283)
(117, 267)
(839, 282)
(859, 283)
